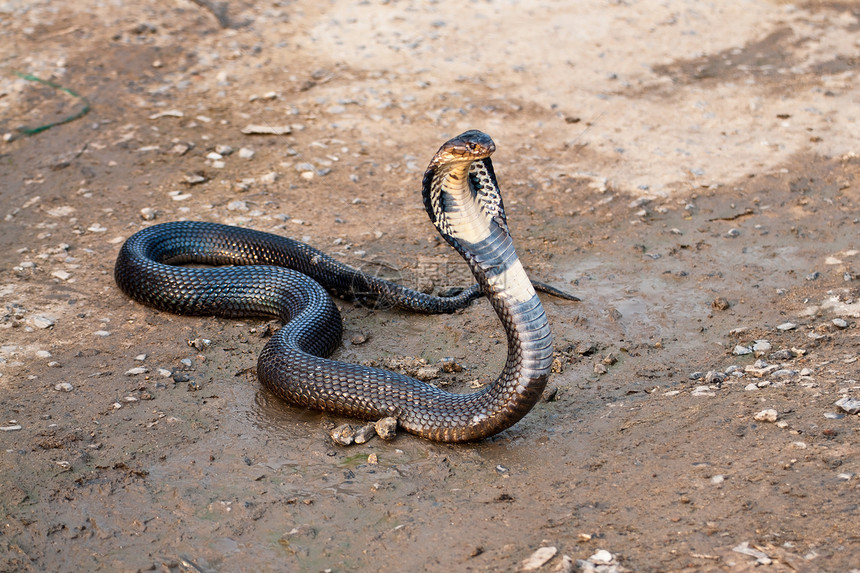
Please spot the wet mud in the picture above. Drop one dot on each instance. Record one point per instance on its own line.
(716, 256)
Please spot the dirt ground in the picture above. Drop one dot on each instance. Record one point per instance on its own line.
(689, 169)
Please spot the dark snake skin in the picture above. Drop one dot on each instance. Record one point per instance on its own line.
(275, 276)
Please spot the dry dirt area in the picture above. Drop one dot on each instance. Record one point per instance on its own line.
(689, 169)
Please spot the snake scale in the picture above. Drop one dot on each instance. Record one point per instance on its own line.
(261, 274)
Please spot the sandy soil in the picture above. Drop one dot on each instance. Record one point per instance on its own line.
(689, 169)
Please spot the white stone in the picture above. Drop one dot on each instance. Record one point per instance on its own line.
(602, 557)
(849, 404)
(767, 415)
(41, 322)
(537, 559)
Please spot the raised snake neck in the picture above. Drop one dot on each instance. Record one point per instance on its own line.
(462, 198)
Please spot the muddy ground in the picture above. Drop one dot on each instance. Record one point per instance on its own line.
(688, 169)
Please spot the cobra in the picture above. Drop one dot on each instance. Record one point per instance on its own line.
(269, 275)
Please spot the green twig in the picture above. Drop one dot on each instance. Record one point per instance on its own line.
(41, 128)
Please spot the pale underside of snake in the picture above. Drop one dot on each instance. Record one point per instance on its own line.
(269, 275)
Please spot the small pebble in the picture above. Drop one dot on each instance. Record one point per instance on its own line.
(732, 233)
(848, 404)
(565, 565)
(538, 559)
(586, 348)
(602, 557)
(102, 333)
(180, 149)
(450, 365)
(740, 350)
(600, 368)
(266, 130)
(246, 153)
(373, 459)
(358, 338)
(148, 214)
(751, 386)
(64, 387)
(11, 428)
(136, 370)
(721, 303)
(702, 391)
(223, 150)
(786, 326)
(761, 346)
(180, 377)
(427, 373)
(194, 179)
(343, 435)
(365, 434)
(41, 322)
(167, 113)
(767, 415)
(62, 275)
(783, 373)
(714, 377)
(784, 354)
(268, 178)
(839, 323)
(199, 343)
(718, 479)
(43, 354)
(386, 428)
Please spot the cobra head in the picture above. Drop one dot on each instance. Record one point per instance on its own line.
(460, 191)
